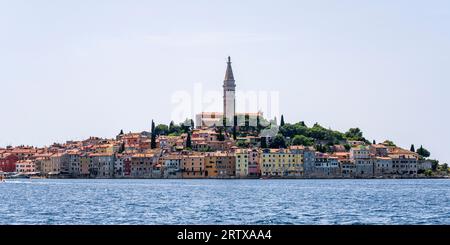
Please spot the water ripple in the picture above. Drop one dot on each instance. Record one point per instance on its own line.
(225, 202)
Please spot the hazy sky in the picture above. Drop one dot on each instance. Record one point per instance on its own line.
(73, 69)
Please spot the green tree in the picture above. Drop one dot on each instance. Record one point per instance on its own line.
(278, 142)
(186, 126)
(282, 121)
(263, 142)
(354, 134)
(121, 132)
(175, 130)
(347, 147)
(423, 152)
(434, 164)
(374, 142)
(235, 128)
(121, 148)
(153, 136)
(320, 148)
(412, 149)
(428, 172)
(162, 129)
(242, 144)
(388, 143)
(192, 125)
(221, 136)
(302, 140)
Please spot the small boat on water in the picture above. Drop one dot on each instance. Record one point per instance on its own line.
(19, 176)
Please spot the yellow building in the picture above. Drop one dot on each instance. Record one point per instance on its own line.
(211, 166)
(242, 156)
(105, 149)
(85, 164)
(281, 163)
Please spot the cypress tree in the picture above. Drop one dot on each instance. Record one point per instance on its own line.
(412, 148)
(192, 124)
(235, 128)
(374, 142)
(153, 137)
(188, 141)
(121, 132)
(122, 147)
(221, 137)
(282, 121)
(263, 142)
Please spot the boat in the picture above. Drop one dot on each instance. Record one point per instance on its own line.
(19, 176)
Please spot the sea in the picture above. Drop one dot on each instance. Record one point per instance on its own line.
(220, 202)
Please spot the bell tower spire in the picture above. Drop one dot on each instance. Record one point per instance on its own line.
(229, 88)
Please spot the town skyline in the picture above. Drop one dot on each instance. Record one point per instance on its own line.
(380, 67)
(226, 145)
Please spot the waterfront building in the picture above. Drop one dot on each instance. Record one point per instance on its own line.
(308, 156)
(346, 165)
(210, 161)
(171, 164)
(141, 164)
(74, 163)
(281, 163)
(247, 163)
(56, 162)
(193, 165)
(362, 158)
(25, 167)
(8, 162)
(43, 164)
(119, 165)
(225, 164)
(85, 165)
(220, 164)
(102, 165)
(404, 162)
(424, 165)
(326, 166)
(348, 168)
(254, 163)
(383, 166)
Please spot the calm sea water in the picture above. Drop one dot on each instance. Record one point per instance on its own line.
(225, 202)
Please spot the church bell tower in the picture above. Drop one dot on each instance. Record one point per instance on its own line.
(229, 100)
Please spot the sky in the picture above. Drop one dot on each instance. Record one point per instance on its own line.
(76, 68)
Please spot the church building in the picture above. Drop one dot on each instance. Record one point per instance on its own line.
(211, 119)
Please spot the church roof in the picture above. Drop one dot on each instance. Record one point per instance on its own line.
(229, 73)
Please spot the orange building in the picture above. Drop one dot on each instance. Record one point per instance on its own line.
(220, 164)
(193, 165)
